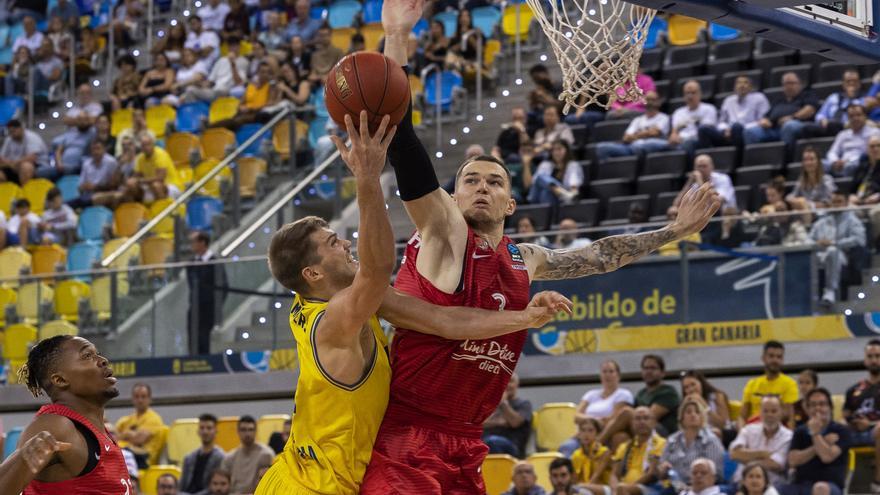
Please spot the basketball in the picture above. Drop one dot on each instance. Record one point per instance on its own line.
(366, 81)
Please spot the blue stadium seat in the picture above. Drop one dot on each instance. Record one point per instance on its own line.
(10, 108)
(15, 31)
(342, 13)
(420, 27)
(12, 437)
(69, 187)
(248, 130)
(319, 13)
(83, 256)
(4, 36)
(722, 33)
(448, 82)
(658, 26)
(372, 11)
(200, 210)
(92, 223)
(729, 467)
(450, 22)
(486, 18)
(190, 117)
(317, 128)
(317, 100)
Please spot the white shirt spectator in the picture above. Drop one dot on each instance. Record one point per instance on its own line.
(712, 490)
(203, 40)
(849, 146)
(724, 187)
(32, 42)
(31, 143)
(752, 437)
(2, 226)
(687, 121)
(746, 111)
(221, 73)
(98, 175)
(213, 17)
(573, 177)
(642, 123)
(603, 407)
(185, 74)
(578, 242)
(560, 131)
(14, 223)
(63, 218)
(93, 109)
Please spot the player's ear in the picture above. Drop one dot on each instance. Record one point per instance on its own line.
(311, 274)
(511, 207)
(58, 381)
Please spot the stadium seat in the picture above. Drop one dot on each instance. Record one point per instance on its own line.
(317, 128)
(825, 89)
(755, 175)
(608, 130)
(618, 208)
(822, 145)
(35, 191)
(48, 259)
(343, 13)
(491, 52)
(57, 327)
(216, 141)
(124, 260)
(831, 71)
(151, 476)
(93, 222)
(585, 211)
(156, 251)
(128, 218)
(69, 187)
(662, 202)
(83, 256)
(774, 76)
(734, 407)
(655, 184)
(101, 295)
(449, 81)
(609, 188)
(553, 424)
(619, 167)
(9, 192)
(8, 297)
(341, 38)
(420, 27)
(665, 162)
(793, 171)
(11, 441)
(684, 30)
(10, 108)
(245, 132)
(707, 86)
(540, 214)
(183, 438)
(728, 81)
(281, 137)
(201, 210)
(182, 146)
(227, 433)
(743, 197)
(158, 118)
(32, 298)
(764, 154)
(724, 157)
(165, 227)
(17, 341)
(268, 424)
(497, 472)
(837, 402)
(486, 19)
(541, 462)
(651, 61)
(717, 32)
(687, 55)
(13, 262)
(372, 11)
(249, 169)
(319, 13)
(121, 120)
(68, 295)
(223, 108)
(212, 186)
(373, 34)
(191, 117)
(509, 22)
(658, 28)
(449, 20)
(719, 67)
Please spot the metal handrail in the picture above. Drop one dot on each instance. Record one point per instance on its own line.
(195, 187)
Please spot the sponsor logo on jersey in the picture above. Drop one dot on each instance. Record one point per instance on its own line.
(515, 255)
(492, 356)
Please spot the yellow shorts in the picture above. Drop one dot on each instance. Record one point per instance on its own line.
(278, 481)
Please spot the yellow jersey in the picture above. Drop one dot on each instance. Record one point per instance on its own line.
(634, 457)
(585, 464)
(334, 424)
(783, 386)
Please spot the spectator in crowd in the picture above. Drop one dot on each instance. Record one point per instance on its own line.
(213, 14)
(695, 383)
(806, 380)
(562, 478)
(358, 43)
(636, 462)
(660, 398)
(30, 37)
(525, 482)
(552, 131)
(226, 78)
(299, 56)
(4, 242)
(325, 55)
(138, 432)
(191, 74)
(741, 110)
(755, 481)
(861, 408)
(205, 292)
(772, 382)
(673, 248)
(171, 45)
(526, 226)
(813, 188)
(87, 51)
(48, 69)
(687, 119)
(154, 165)
(512, 136)
(620, 108)
(243, 462)
(69, 149)
(819, 451)
(221, 482)
(703, 475)
(729, 232)
(59, 220)
(545, 94)
(765, 443)
(567, 236)
(291, 86)
(635, 216)
(85, 109)
(97, 176)
(23, 152)
(603, 404)
(198, 465)
(590, 114)
(850, 144)
(273, 36)
(832, 117)
(102, 132)
(693, 440)
(794, 226)
(507, 430)
(68, 12)
(157, 82)
(787, 115)
(126, 16)
(704, 171)
(205, 43)
(278, 439)
(23, 226)
(166, 484)
(302, 25)
(866, 185)
(557, 179)
(237, 23)
(124, 93)
(591, 460)
(61, 38)
(436, 45)
(138, 130)
(835, 234)
(463, 46)
(646, 133)
(15, 81)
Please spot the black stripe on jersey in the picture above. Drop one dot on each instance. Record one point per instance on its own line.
(346, 387)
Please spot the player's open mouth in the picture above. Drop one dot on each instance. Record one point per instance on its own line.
(108, 375)
(481, 203)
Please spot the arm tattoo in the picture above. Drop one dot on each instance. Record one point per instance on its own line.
(602, 256)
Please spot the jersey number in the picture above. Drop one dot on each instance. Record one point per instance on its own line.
(502, 301)
(126, 483)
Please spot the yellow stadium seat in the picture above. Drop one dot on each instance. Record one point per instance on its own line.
(508, 21)
(212, 187)
(9, 192)
(684, 30)
(269, 424)
(57, 327)
(183, 438)
(180, 146)
(159, 446)
(281, 137)
(837, 402)
(13, 261)
(31, 296)
(48, 259)
(101, 286)
(35, 191)
(492, 49)
(128, 218)
(8, 297)
(541, 462)
(100, 297)
(125, 259)
(373, 34)
(733, 408)
(553, 424)
(215, 142)
(223, 108)
(341, 38)
(17, 341)
(165, 227)
(68, 294)
(121, 120)
(227, 433)
(497, 473)
(158, 118)
(150, 477)
(156, 251)
(249, 169)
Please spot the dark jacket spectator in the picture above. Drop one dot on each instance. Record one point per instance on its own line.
(507, 430)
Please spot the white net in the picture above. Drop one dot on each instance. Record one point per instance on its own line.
(598, 44)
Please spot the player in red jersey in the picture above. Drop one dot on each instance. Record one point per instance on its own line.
(443, 390)
(66, 450)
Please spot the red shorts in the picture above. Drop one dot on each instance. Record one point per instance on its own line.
(413, 460)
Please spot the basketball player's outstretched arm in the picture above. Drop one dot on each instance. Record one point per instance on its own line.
(43, 443)
(610, 253)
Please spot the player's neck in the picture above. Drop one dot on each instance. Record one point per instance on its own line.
(86, 408)
(491, 235)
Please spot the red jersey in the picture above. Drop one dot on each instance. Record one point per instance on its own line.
(110, 475)
(452, 384)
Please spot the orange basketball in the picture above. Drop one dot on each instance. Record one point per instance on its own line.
(366, 81)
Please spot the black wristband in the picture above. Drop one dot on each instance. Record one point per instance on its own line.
(412, 165)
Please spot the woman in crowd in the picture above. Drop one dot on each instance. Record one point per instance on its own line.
(171, 45)
(755, 481)
(292, 87)
(693, 439)
(807, 380)
(526, 226)
(88, 49)
(603, 404)
(592, 460)
(137, 130)
(463, 52)
(437, 45)
(814, 187)
(299, 57)
(124, 93)
(695, 383)
(157, 82)
(557, 180)
(191, 73)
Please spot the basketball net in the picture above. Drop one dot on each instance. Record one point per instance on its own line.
(598, 44)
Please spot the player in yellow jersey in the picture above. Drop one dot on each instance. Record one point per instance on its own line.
(342, 390)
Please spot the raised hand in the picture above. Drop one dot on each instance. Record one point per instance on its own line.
(544, 306)
(366, 156)
(39, 450)
(400, 16)
(695, 210)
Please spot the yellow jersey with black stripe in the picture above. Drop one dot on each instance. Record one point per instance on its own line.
(334, 424)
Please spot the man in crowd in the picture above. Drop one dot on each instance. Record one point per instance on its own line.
(200, 463)
(525, 482)
(213, 14)
(741, 110)
(85, 110)
(686, 120)
(850, 144)
(772, 382)
(325, 55)
(30, 38)
(866, 184)
(835, 234)
(704, 171)
(512, 136)
(635, 462)
(166, 485)
(97, 175)
(302, 25)
(22, 153)
(154, 165)
(138, 432)
(832, 116)
(766, 442)
(552, 130)
(703, 474)
(819, 450)
(568, 237)
(645, 134)
(204, 280)
(221, 483)
(244, 461)
(507, 430)
(228, 77)
(70, 147)
(862, 408)
(787, 115)
(562, 478)
(204, 42)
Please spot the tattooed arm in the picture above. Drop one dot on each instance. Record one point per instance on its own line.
(610, 253)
